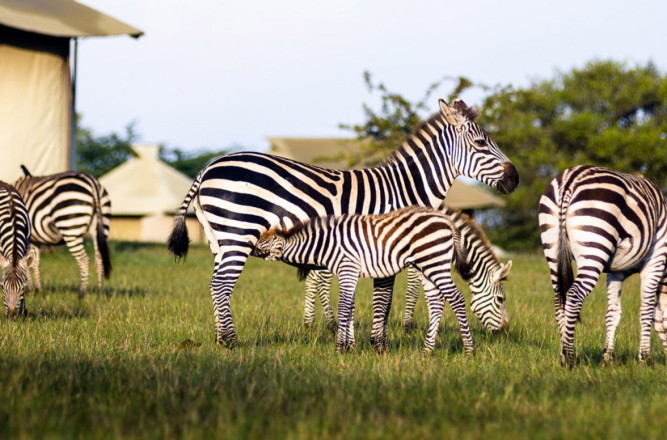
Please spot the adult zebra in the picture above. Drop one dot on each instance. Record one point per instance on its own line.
(239, 196)
(607, 221)
(14, 243)
(63, 208)
(485, 281)
(379, 246)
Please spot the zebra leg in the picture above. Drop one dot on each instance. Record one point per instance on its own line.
(651, 276)
(318, 282)
(436, 304)
(348, 275)
(613, 318)
(587, 276)
(458, 304)
(411, 296)
(78, 251)
(383, 289)
(660, 318)
(228, 267)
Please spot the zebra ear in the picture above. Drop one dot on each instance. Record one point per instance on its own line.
(503, 272)
(448, 113)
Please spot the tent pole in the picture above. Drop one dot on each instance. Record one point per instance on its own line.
(72, 132)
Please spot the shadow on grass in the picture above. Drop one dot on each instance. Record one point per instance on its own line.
(68, 288)
(57, 315)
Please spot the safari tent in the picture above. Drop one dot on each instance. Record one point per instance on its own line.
(331, 153)
(145, 195)
(36, 84)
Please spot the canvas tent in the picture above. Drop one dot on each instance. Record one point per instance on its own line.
(36, 86)
(145, 194)
(331, 153)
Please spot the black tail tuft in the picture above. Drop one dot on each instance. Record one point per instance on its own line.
(565, 273)
(178, 239)
(25, 170)
(303, 273)
(103, 246)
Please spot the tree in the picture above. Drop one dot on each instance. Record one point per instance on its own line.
(606, 114)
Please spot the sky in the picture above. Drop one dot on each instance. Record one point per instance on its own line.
(219, 74)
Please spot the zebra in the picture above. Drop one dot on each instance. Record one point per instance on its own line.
(606, 221)
(63, 208)
(239, 196)
(379, 246)
(14, 255)
(488, 295)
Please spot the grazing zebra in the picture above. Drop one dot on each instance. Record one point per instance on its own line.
(239, 196)
(63, 208)
(379, 246)
(14, 243)
(486, 276)
(610, 222)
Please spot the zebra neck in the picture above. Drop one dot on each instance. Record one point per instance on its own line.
(421, 171)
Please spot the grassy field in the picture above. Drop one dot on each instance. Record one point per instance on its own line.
(139, 361)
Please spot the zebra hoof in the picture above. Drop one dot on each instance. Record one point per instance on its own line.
(229, 343)
(344, 348)
(408, 327)
(380, 346)
(332, 327)
(469, 352)
(607, 357)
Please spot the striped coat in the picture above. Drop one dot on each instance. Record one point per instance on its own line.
(607, 222)
(378, 246)
(63, 209)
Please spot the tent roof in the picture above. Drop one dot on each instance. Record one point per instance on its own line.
(61, 18)
(144, 185)
(331, 152)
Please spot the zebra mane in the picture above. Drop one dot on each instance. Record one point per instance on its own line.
(424, 128)
(473, 230)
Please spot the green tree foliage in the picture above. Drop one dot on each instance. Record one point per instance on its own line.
(606, 113)
(396, 118)
(98, 155)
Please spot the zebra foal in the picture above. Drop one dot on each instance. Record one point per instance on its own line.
(606, 221)
(14, 255)
(63, 208)
(379, 247)
(485, 281)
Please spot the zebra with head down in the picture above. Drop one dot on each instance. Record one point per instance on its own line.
(14, 254)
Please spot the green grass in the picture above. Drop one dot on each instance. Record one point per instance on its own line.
(120, 364)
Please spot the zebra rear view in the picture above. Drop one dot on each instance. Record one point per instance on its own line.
(379, 247)
(606, 221)
(63, 208)
(14, 255)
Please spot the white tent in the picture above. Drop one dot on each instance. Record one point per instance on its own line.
(145, 194)
(36, 108)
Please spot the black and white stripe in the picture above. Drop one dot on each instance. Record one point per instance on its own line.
(63, 208)
(239, 196)
(606, 221)
(485, 282)
(14, 242)
(378, 246)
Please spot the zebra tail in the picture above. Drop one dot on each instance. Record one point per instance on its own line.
(564, 272)
(103, 246)
(179, 241)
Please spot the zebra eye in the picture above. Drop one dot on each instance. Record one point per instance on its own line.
(501, 299)
(481, 142)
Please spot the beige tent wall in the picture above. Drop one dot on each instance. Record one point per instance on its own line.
(34, 104)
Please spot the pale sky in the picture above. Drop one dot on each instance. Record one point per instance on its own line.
(213, 74)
